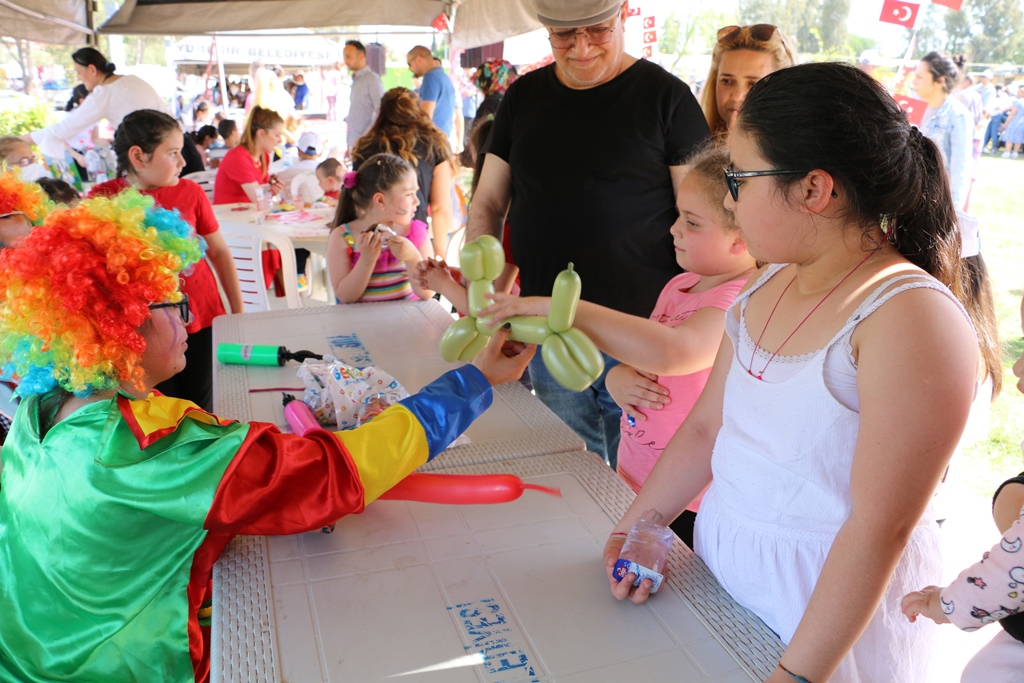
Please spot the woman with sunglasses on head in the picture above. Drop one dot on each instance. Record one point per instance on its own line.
(116, 501)
(111, 97)
(841, 387)
(742, 56)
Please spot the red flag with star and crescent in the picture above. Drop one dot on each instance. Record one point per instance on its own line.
(900, 13)
(914, 108)
(951, 4)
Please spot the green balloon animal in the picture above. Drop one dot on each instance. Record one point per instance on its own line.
(569, 354)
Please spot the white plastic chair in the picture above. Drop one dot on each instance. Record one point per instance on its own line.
(246, 245)
(205, 180)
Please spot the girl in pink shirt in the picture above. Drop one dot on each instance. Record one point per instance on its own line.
(667, 358)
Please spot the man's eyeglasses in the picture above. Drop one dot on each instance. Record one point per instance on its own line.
(182, 306)
(596, 35)
(732, 178)
(760, 32)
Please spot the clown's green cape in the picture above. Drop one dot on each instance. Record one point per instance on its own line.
(110, 524)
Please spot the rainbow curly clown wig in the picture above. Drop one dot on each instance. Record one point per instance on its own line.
(74, 294)
(20, 197)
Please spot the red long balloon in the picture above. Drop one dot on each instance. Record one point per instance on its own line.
(463, 489)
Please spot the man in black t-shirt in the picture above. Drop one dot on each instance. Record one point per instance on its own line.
(584, 159)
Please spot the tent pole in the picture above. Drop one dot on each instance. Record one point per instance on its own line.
(223, 81)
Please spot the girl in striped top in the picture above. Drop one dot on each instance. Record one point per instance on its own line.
(375, 243)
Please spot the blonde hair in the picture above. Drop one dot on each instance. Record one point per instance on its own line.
(707, 164)
(777, 46)
(260, 118)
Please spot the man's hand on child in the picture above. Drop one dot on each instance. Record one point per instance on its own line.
(635, 390)
(926, 602)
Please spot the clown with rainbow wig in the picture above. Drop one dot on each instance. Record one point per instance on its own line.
(115, 501)
(22, 205)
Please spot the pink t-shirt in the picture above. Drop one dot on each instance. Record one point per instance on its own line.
(642, 444)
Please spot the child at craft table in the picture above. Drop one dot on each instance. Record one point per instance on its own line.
(375, 244)
(116, 501)
(148, 146)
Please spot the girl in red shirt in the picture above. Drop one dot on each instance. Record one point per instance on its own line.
(148, 147)
(245, 167)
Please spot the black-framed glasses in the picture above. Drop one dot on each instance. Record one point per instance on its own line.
(760, 32)
(732, 178)
(182, 306)
(596, 35)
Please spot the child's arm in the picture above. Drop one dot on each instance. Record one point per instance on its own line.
(404, 250)
(435, 275)
(1006, 508)
(349, 282)
(224, 265)
(640, 342)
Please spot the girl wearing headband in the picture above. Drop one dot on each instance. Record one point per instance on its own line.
(376, 243)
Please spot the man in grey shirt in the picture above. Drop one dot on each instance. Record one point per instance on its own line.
(367, 89)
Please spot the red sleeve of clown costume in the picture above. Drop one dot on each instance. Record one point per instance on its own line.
(285, 484)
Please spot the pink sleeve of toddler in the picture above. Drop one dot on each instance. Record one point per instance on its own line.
(991, 589)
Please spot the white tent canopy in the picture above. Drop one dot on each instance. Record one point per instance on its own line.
(45, 21)
(294, 50)
(476, 22)
(482, 22)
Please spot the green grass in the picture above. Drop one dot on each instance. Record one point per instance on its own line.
(998, 203)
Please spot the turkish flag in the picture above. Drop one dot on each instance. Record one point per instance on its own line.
(648, 22)
(951, 4)
(900, 13)
(648, 52)
(650, 37)
(914, 108)
(633, 12)
(440, 23)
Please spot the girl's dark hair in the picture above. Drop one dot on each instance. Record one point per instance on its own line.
(226, 128)
(979, 290)
(59, 191)
(90, 56)
(260, 118)
(379, 173)
(836, 118)
(203, 133)
(943, 70)
(78, 95)
(145, 129)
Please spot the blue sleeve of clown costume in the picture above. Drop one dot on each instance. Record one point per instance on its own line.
(448, 405)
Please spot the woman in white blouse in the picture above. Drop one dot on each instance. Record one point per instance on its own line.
(111, 97)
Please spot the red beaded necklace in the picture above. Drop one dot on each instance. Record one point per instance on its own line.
(750, 366)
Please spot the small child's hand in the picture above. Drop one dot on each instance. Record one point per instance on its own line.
(369, 243)
(433, 274)
(926, 602)
(402, 248)
(506, 306)
(634, 389)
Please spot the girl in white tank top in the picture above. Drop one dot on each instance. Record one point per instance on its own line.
(841, 387)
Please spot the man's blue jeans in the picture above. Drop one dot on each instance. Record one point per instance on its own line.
(591, 413)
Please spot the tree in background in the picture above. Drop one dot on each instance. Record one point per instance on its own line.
(693, 34)
(987, 31)
(800, 20)
(834, 14)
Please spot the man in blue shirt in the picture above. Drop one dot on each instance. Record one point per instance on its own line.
(437, 94)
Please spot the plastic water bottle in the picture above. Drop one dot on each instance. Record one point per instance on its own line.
(645, 552)
(261, 205)
(94, 164)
